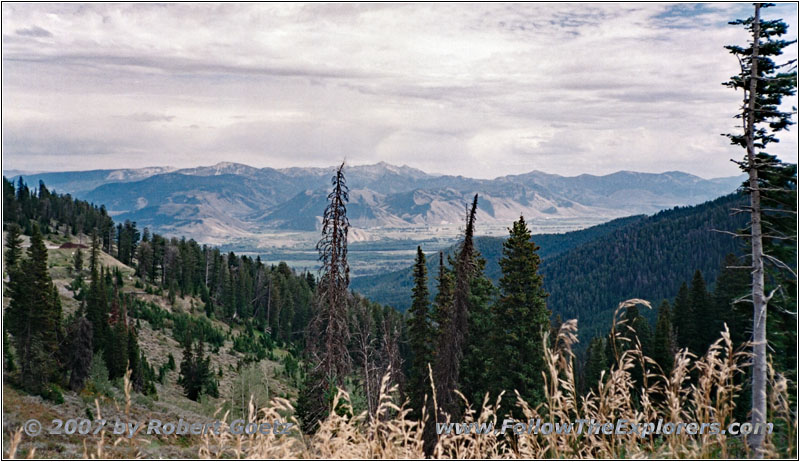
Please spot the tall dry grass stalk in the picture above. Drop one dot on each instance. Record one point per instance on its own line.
(701, 389)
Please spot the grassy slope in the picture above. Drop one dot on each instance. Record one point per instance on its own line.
(156, 345)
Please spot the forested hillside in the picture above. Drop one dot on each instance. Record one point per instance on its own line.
(648, 259)
(393, 288)
(87, 301)
(588, 272)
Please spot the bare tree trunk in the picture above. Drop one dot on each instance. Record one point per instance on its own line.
(759, 409)
(269, 303)
(367, 379)
(207, 260)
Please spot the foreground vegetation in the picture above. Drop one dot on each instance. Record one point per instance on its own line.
(391, 433)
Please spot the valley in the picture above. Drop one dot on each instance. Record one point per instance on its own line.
(378, 250)
(276, 213)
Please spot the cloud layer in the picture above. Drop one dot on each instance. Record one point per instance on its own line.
(480, 90)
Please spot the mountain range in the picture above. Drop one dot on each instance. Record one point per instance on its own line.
(229, 200)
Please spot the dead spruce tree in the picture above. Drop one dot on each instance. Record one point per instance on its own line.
(328, 334)
(450, 350)
(763, 83)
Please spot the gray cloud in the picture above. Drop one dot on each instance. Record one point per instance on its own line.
(148, 117)
(480, 89)
(34, 31)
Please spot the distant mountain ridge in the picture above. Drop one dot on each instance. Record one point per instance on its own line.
(212, 203)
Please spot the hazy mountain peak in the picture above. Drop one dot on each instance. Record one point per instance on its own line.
(132, 174)
(220, 168)
(382, 195)
(382, 167)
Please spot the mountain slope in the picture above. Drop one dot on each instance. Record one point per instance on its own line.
(394, 288)
(588, 272)
(77, 183)
(210, 203)
(648, 259)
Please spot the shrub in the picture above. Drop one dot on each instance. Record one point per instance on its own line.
(53, 392)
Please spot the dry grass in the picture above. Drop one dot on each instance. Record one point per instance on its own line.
(710, 397)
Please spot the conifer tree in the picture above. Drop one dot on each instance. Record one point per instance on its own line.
(34, 316)
(520, 320)
(94, 255)
(779, 201)
(196, 376)
(683, 318)
(328, 334)
(80, 353)
(116, 352)
(420, 333)
(663, 349)
(13, 251)
(639, 332)
(479, 368)
(188, 372)
(451, 343)
(596, 363)
(442, 308)
(733, 284)
(10, 204)
(77, 283)
(77, 261)
(443, 301)
(8, 355)
(97, 302)
(142, 375)
(764, 84)
(706, 330)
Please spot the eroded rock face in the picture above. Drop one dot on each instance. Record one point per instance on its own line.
(229, 201)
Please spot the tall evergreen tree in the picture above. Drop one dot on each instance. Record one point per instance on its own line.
(663, 348)
(520, 320)
(479, 368)
(707, 327)
(683, 318)
(596, 363)
(94, 255)
(779, 199)
(34, 316)
(77, 285)
(13, 250)
(640, 333)
(442, 309)
(196, 376)
(451, 343)
(10, 204)
(764, 84)
(77, 261)
(733, 284)
(443, 302)
(420, 336)
(80, 353)
(116, 345)
(97, 300)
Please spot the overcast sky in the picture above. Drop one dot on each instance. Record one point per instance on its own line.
(480, 90)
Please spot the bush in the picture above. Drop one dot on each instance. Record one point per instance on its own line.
(196, 327)
(98, 382)
(53, 392)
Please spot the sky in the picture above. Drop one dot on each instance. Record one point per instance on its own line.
(480, 90)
